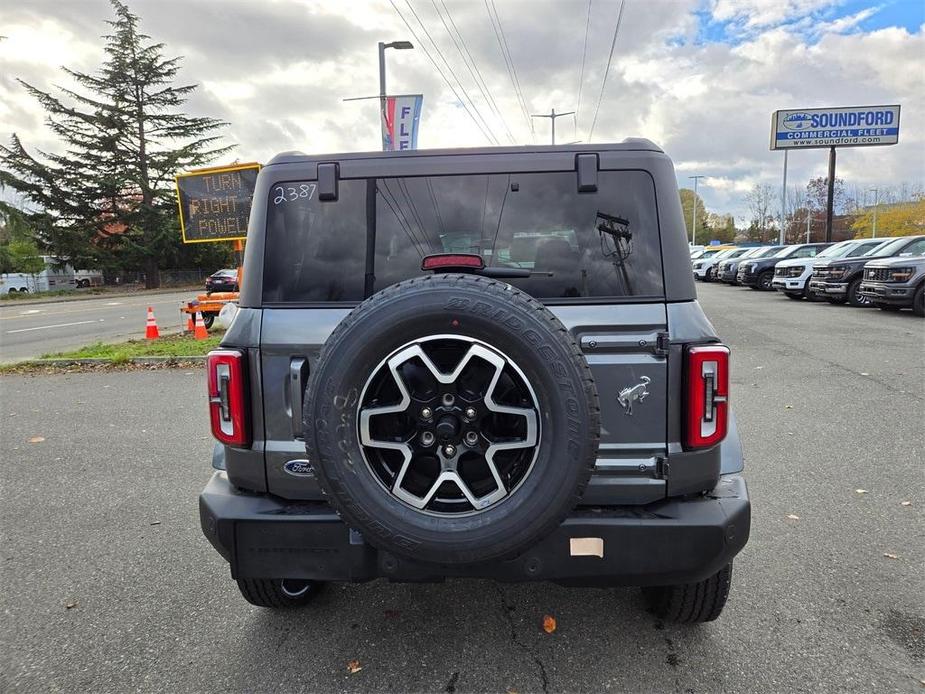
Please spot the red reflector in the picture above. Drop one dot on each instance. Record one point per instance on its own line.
(227, 400)
(448, 261)
(706, 396)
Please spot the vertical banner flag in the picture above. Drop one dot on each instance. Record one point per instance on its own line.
(400, 118)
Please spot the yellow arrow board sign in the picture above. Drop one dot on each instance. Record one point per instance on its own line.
(216, 203)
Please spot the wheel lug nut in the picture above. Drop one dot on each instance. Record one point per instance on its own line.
(427, 438)
(449, 451)
(470, 413)
(471, 438)
(427, 413)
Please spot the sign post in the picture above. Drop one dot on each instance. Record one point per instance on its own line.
(856, 126)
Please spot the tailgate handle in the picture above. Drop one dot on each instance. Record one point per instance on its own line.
(298, 377)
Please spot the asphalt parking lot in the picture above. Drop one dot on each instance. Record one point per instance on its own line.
(109, 585)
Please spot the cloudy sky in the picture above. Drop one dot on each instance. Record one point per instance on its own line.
(699, 77)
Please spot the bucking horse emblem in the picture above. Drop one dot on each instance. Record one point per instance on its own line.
(633, 394)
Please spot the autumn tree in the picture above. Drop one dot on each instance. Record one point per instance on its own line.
(124, 137)
(817, 193)
(687, 206)
(760, 201)
(898, 219)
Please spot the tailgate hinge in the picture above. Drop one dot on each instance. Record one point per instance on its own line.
(662, 343)
(661, 467)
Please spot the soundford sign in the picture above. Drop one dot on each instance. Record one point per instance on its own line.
(856, 126)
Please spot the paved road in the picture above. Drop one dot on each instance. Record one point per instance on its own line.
(102, 515)
(28, 331)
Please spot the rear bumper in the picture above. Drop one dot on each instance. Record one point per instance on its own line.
(887, 293)
(668, 542)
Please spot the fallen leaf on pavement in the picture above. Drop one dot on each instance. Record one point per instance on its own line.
(37, 439)
(864, 373)
(861, 491)
(792, 516)
(354, 666)
(155, 522)
(788, 407)
(70, 605)
(549, 624)
(905, 503)
(890, 556)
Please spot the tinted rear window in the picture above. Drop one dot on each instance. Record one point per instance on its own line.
(575, 245)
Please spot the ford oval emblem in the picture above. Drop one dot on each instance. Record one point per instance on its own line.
(798, 121)
(299, 468)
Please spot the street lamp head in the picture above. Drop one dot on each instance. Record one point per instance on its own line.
(400, 45)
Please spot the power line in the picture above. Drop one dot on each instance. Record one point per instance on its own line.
(509, 62)
(449, 68)
(471, 65)
(581, 72)
(433, 62)
(613, 43)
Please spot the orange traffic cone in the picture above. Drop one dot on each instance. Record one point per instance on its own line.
(190, 327)
(200, 332)
(151, 332)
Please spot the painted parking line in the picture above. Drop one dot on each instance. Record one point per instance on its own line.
(59, 325)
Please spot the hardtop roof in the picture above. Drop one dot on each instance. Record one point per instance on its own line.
(630, 144)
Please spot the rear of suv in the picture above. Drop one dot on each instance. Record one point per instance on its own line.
(486, 363)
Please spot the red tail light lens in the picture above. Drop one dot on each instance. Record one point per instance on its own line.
(706, 396)
(227, 397)
(452, 261)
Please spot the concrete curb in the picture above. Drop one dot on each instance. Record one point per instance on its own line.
(98, 361)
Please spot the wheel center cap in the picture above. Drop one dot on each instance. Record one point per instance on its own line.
(447, 427)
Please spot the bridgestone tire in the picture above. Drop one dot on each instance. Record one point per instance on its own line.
(278, 593)
(509, 321)
(691, 602)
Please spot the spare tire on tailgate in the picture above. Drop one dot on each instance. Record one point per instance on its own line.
(452, 419)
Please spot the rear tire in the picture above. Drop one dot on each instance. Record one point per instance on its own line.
(691, 603)
(208, 319)
(279, 593)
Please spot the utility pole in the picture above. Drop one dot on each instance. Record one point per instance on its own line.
(809, 216)
(552, 115)
(876, 205)
(694, 212)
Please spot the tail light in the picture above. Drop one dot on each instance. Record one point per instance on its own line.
(227, 397)
(706, 395)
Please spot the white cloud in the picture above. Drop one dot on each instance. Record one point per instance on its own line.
(278, 73)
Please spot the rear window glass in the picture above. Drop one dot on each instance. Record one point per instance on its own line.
(575, 245)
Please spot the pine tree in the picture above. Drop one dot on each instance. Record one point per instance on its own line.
(125, 137)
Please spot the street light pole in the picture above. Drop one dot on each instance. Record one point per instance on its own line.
(398, 45)
(694, 212)
(876, 205)
(552, 115)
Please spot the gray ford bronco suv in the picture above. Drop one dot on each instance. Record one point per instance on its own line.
(474, 363)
